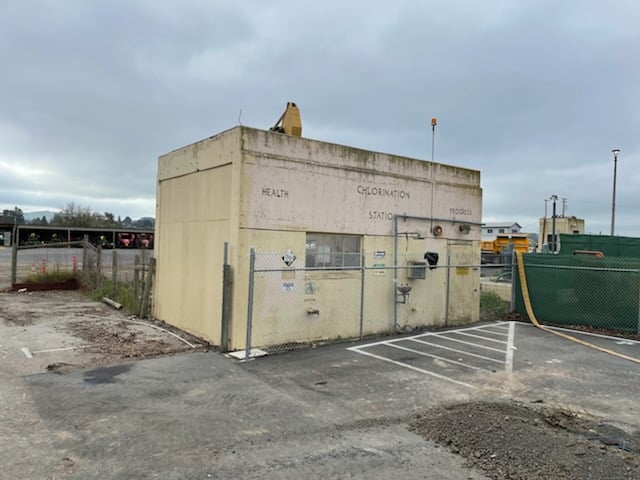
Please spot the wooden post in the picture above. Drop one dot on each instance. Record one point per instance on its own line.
(99, 268)
(14, 261)
(114, 272)
(136, 278)
(85, 253)
(144, 307)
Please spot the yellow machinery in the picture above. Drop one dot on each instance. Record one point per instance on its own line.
(520, 243)
(289, 122)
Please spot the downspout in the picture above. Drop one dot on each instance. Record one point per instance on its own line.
(395, 271)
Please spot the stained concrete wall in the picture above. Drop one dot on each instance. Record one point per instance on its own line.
(253, 188)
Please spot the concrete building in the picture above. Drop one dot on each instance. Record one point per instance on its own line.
(491, 230)
(570, 225)
(310, 204)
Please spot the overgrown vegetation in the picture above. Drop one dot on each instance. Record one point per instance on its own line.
(122, 293)
(492, 307)
(54, 276)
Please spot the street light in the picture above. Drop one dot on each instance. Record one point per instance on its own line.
(615, 152)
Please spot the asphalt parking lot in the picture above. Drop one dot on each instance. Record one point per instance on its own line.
(338, 411)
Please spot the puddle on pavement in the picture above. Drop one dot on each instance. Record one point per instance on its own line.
(102, 375)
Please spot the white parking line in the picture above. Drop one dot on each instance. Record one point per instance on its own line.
(447, 335)
(410, 367)
(510, 348)
(462, 352)
(480, 337)
(425, 354)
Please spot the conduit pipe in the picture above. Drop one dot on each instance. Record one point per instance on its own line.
(406, 217)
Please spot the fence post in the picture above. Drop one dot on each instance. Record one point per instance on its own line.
(136, 277)
(85, 252)
(99, 268)
(446, 302)
(363, 271)
(114, 271)
(638, 272)
(144, 307)
(252, 264)
(227, 282)
(514, 260)
(14, 261)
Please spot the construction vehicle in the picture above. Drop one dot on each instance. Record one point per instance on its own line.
(289, 122)
(520, 242)
(125, 240)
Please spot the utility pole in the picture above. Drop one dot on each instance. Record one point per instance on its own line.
(543, 240)
(564, 206)
(554, 199)
(434, 122)
(615, 152)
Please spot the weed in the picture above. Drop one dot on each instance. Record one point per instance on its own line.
(492, 307)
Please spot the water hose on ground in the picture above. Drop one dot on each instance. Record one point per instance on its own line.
(534, 320)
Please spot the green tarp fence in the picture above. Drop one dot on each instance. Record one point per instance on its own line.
(601, 292)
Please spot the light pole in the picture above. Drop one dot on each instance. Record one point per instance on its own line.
(554, 243)
(615, 152)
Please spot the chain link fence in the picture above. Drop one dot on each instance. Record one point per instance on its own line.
(123, 273)
(294, 308)
(300, 307)
(583, 290)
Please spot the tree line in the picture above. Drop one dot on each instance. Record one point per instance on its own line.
(78, 216)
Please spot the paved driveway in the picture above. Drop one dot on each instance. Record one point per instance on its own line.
(333, 412)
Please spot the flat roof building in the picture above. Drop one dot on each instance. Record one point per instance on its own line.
(335, 231)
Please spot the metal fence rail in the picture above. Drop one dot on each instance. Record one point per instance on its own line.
(290, 308)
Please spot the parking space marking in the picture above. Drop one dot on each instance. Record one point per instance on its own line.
(481, 337)
(27, 352)
(501, 329)
(425, 354)
(410, 367)
(463, 352)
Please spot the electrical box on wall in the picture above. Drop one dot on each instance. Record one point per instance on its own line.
(418, 271)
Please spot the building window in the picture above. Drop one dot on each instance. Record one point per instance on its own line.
(489, 230)
(514, 230)
(501, 230)
(332, 250)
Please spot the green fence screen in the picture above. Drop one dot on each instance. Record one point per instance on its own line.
(601, 292)
(610, 246)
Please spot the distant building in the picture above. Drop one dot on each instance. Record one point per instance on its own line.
(568, 225)
(491, 230)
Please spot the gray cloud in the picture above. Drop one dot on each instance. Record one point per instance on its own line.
(535, 94)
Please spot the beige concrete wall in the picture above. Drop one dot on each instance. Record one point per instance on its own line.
(290, 183)
(194, 218)
(261, 189)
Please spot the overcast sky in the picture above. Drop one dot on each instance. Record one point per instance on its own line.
(535, 94)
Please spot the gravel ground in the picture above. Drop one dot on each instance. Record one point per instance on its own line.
(509, 440)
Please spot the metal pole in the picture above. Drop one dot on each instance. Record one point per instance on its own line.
(247, 345)
(226, 299)
(363, 270)
(638, 272)
(446, 302)
(395, 271)
(615, 152)
(514, 259)
(434, 122)
(554, 198)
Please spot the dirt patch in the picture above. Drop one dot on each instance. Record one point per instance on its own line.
(124, 338)
(58, 331)
(527, 442)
